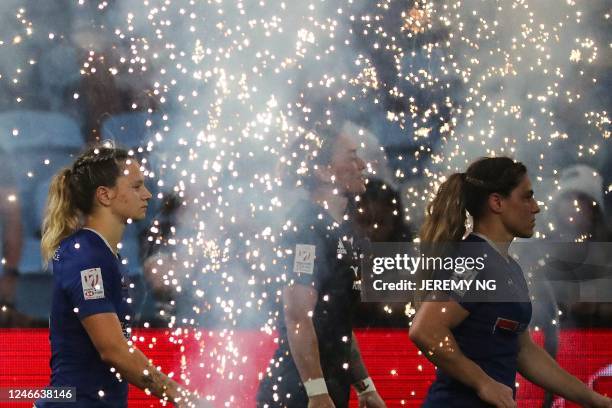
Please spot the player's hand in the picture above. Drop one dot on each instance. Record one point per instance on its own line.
(597, 400)
(321, 401)
(497, 394)
(371, 399)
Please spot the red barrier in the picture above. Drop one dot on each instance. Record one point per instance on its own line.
(227, 364)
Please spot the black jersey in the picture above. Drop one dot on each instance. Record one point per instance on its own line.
(319, 252)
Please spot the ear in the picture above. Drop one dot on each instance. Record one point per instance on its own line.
(495, 203)
(105, 195)
(323, 174)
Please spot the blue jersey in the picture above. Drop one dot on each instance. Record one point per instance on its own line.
(87, 279)
(489, 336)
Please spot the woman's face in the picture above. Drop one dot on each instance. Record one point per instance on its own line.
(346, 167)
(131, 196)
(519, 210)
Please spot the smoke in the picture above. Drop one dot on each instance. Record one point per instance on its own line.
(529, 73)
(237, 82)
(439, 83)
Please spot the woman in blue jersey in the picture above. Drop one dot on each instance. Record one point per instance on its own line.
(478, 347)
(88, 207)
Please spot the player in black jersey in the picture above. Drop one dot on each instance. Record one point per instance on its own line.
(318, 358)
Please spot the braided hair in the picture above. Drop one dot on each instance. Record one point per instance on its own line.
(463, 193)
(468, 192)
(72, 191)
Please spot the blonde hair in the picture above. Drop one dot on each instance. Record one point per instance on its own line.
(72, 191)
(61, 216)
(446, 215)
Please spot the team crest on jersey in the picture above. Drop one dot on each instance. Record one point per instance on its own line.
(93, 286)
(304, 259)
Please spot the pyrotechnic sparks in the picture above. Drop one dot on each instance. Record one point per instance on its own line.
(438, 82)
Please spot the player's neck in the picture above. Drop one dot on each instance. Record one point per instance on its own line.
(334, 203)
(109, 227)
(497, 234)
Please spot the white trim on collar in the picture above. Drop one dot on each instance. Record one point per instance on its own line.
(103, 239)
(488, 241)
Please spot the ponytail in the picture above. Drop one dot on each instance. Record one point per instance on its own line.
(444, 224)
(446, 215)
(464, 193)
(61, 216)
(468, 192)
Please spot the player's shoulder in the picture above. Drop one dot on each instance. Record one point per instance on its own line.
(473, 238)
(82, 239)
(305, 209)
(83, 246)
(306, 220)
(474, 245)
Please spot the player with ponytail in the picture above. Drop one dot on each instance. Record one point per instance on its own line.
(88, 206)
(477, 345)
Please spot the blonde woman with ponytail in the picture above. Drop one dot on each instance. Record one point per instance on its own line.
(88, 207)
(61, 218)
(479, 346)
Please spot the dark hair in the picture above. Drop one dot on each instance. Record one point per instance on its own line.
(446, 215)
(378, 192)
(312, 149)
(72, 192)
